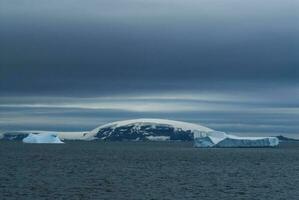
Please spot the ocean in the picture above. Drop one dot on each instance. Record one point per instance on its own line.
(147, 170)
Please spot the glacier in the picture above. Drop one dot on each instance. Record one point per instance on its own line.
(42, 138)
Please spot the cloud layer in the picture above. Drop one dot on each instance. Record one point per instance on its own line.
(70, 64)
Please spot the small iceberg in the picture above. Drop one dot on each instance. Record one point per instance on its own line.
(42, 138)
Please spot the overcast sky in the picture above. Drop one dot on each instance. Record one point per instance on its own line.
(72, 65)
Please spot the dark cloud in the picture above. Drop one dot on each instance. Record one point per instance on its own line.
(58, 47)
(232, 65)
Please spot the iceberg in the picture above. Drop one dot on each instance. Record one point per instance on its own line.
(42, 138)
(221, 139)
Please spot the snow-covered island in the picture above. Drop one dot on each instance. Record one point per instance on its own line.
(149, 129)
(161, 129)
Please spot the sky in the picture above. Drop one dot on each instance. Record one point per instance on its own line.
(73, 65)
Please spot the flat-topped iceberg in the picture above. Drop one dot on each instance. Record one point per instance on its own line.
(220, 139)
(42, 138)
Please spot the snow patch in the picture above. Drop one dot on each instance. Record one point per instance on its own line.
(158, 138)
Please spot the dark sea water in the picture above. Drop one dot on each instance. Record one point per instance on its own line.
(147, 170)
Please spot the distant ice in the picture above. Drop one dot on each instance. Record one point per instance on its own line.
(42, 138)
(220, 139)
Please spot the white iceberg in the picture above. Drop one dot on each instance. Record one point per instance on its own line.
(221, 139)
(42, 138)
